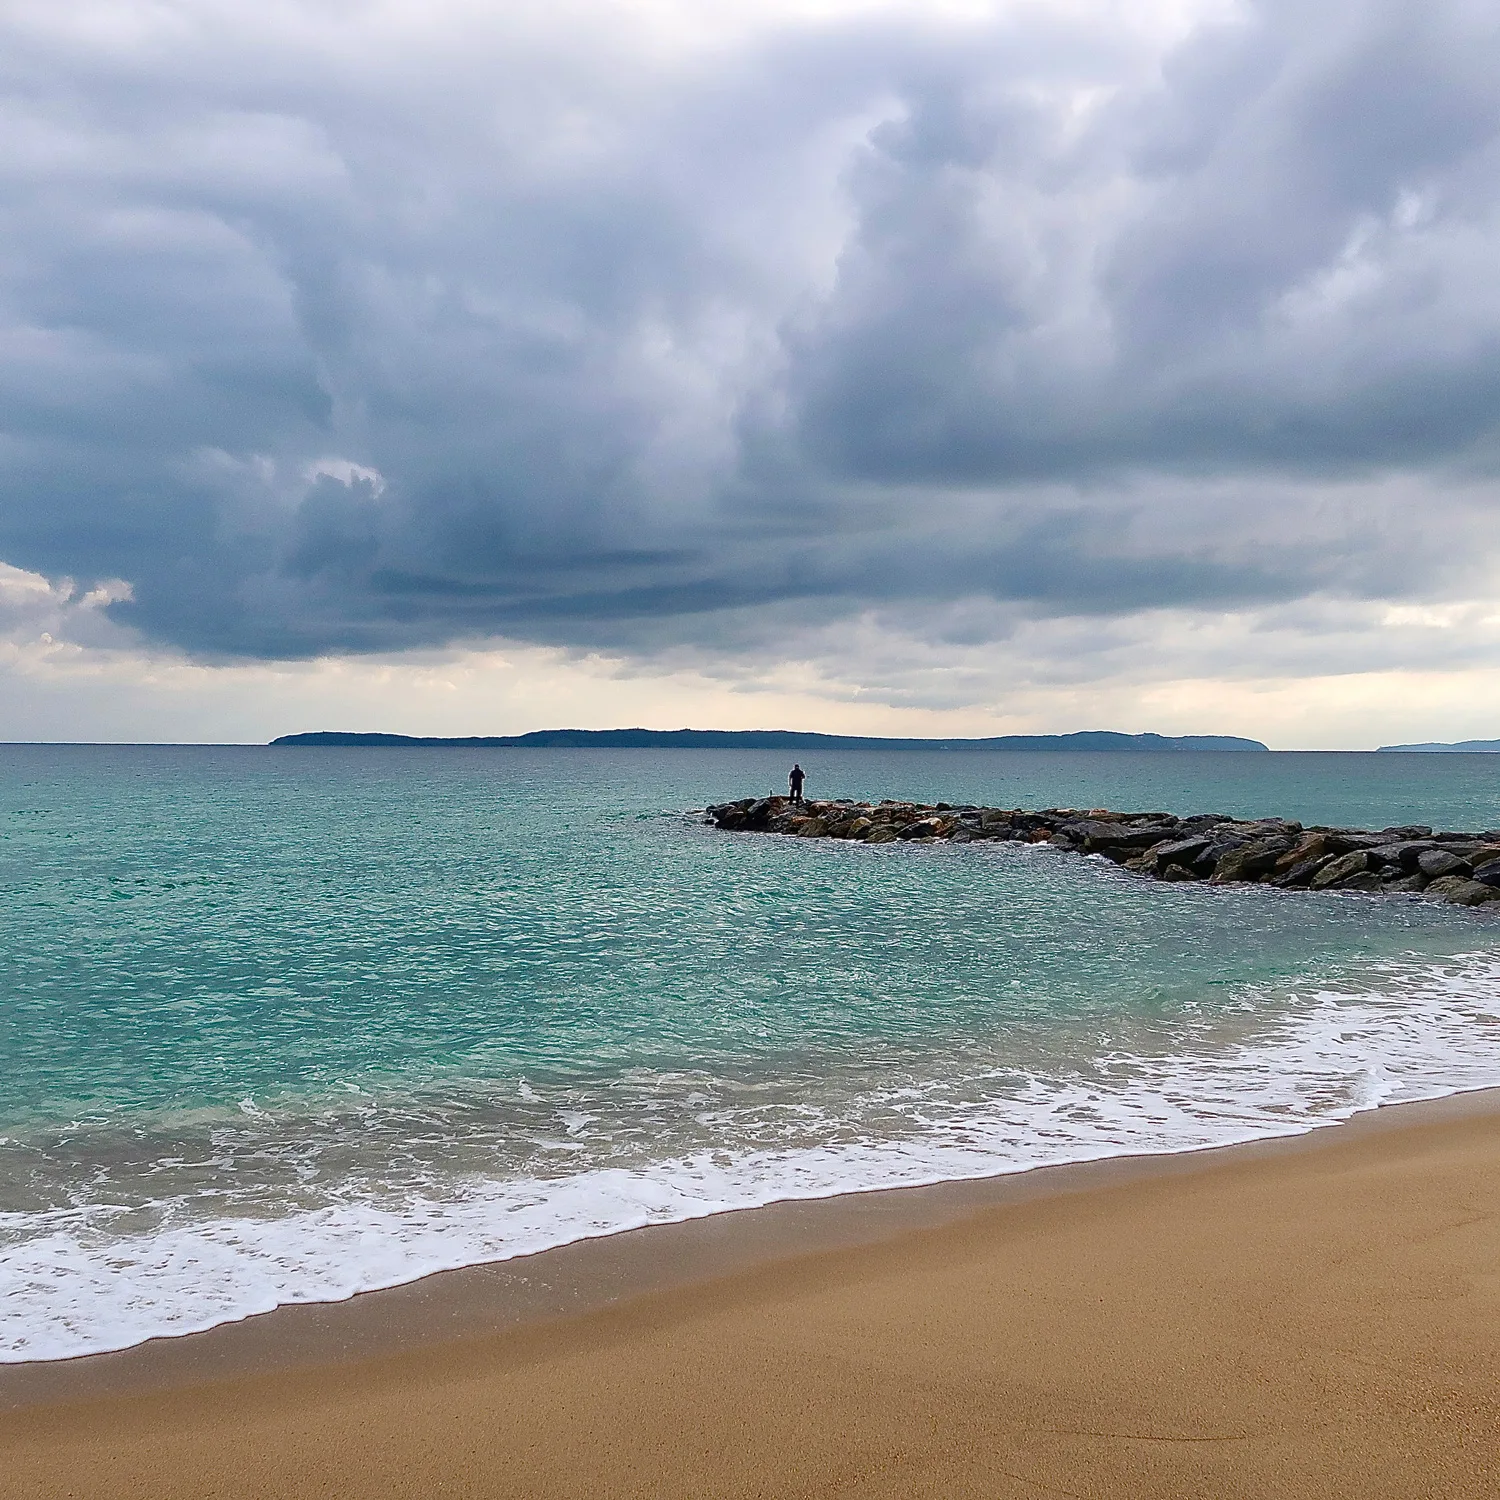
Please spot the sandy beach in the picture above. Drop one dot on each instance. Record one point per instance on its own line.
(1317, 1317)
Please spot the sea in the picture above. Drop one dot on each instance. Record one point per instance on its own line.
(282, 1025)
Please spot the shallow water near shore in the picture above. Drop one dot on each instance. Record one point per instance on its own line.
(280, 1026)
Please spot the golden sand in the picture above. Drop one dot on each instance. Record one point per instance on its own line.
(1318, 1320)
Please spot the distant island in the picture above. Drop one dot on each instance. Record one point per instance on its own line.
(1462, 747)
(758, 739)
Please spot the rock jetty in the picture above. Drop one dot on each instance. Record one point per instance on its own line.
(1463, 868)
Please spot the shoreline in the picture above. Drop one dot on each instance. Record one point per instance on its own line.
(591, 1275)
(1310, 1318)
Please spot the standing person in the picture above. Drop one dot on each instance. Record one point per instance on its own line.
(794, 780)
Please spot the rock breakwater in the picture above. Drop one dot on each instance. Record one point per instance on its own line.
(1462, 868)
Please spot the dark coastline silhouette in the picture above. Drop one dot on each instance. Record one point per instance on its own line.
(762, 739)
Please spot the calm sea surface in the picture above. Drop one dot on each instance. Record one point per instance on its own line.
(282, 1025)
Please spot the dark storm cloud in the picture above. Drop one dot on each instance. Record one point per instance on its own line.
(344, 333)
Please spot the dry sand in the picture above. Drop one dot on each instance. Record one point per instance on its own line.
(1318, 1318)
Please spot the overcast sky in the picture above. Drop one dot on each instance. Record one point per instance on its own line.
(450, 366)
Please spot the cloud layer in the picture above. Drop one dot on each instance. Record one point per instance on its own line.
(744, 334)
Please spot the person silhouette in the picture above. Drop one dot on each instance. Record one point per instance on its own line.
(794, 781)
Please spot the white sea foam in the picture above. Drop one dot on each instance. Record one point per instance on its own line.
(73, 1286)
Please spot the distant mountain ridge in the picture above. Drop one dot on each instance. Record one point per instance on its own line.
(761, 739)
(1459, 747)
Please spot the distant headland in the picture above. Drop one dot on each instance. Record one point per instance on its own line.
(1461, 747)
(759, 739)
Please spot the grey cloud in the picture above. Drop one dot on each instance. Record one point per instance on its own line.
(329, 338)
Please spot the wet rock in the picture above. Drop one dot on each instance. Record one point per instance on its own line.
(882, 833)
(1220, 843)
(1176, 851)
(1251, 860)
(922, 828)
(1398, 882)
(1200, 822)
(1437, 863)
(1337, 871)
(1460, 891)
(1365, 880)
(1302, 874)
(1311, 848)
(1488, 873)
(1403, 854)
(1097, 836)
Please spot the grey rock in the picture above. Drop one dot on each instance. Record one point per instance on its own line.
(1100, 837)
(1398, 882)
(1311, 848)
(1219, 844)
(1303, 873)
(1200, 822)
(1251, 860)
(923, 828)
(1403, 854)
(1439, 862)
(1337, 871)
(1488, 873)
(1461, 892)
(1366, 880)
(1177, 851)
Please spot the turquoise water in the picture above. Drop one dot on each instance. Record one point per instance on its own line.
(282, 1025)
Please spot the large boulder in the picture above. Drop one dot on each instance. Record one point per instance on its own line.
(1437, 863)
(1175, 853)
(1310, 849)
(1097, 836)
(1488, 873)
(1337, 871)
(1201, 823)
(1221, 841)
(1403, 854)
(927, 828)
(1460, 891)
(1251, 861)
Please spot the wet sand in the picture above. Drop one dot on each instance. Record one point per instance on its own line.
(1317, 1317)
